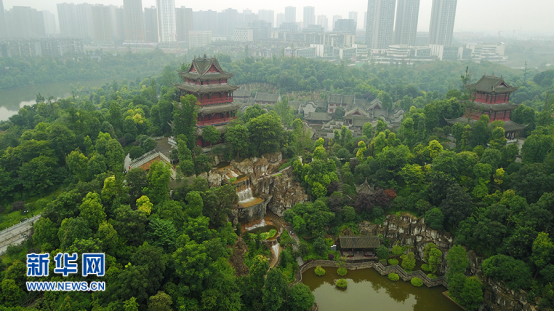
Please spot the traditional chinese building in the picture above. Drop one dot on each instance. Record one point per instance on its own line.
(491, 96)
(208, 82)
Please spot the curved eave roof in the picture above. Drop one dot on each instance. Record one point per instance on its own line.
(205, 88)
(206, 76)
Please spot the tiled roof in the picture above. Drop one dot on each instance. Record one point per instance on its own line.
(266, 97)
(319, 116)
(359, 242)
(194, 88)
(201, 65)
(491, 84)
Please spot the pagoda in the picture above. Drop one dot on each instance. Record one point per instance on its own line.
(491, 96)
(208, 82)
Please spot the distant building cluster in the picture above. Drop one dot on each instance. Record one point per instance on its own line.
(387, 35)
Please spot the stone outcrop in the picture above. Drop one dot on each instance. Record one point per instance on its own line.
(410, 230)
(278, 189)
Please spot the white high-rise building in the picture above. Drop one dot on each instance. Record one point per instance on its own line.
(309, 16)
(443, 16)
(335, 18)
(322, 20)
(49, 23)
(3, 25)
(290, 14)
(166, 20)
(380, 23)
(134, 20)
(280, 19)
(405, 29)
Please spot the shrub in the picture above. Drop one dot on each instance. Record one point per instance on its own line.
(393, 277)
(393, 261)
(283, 166)
(342, 283)
(342, 271)
(416, 281)
(330, 257)
(425, 267)
(319, 271)
(431, 275)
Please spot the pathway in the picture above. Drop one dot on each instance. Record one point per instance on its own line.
(339, 175)
(16, 234)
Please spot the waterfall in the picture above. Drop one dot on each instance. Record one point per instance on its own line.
(255, 226)
(275, 249)
(245, 195)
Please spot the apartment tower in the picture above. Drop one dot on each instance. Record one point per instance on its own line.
(134, 20)
(380, 23)
(443, 15)
(405, 29)
(166, 20)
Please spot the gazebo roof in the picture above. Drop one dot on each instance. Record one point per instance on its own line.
(359, 241)
(205, 68)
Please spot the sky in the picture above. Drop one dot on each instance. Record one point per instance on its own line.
(491, 16)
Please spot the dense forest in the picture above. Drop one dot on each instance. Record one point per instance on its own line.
(64, 159)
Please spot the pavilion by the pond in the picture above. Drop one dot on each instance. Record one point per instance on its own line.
(359, 245)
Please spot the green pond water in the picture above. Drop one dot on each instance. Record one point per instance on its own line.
(12, 100)
(369, 291)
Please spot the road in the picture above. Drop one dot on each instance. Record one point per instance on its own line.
(16, 234)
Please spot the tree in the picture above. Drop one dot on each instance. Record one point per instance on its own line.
(131, 304)
(515, 273)
(160, 302)
(114, 156)
(135, 152)
(211, 134)
(135, 179)
(274, 291)
(72, 229)
(92, 210)
(472, 293)
(144, 204)
(457, 204)
(45, 232)
(38, 175)
(266, 132)
(382, 252)
(130, 225)
(184, 119)
(158, 182)
(11, 293)
(367, 130)
(498, 138)
(320, 246)
(457, 261)
(78, 164)
(301, 298)
(434, 218)
(408, 261)
(536, 147)
(435, 259)
(543, 251)
(237, 136)
(162, 233)
(285, 111)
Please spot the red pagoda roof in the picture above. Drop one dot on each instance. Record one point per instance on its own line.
(491, 84)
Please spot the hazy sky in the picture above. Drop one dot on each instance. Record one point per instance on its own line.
(472, 15)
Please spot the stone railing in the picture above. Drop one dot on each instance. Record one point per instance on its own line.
(381, 269)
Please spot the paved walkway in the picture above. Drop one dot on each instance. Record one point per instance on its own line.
(295, 246)
(16, 234)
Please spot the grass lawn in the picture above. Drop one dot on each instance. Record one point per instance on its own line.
(14, 217)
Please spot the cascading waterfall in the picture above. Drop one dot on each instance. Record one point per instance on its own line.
(245, 195)
(255, 226)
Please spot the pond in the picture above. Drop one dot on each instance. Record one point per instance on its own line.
(12, 100)
(263, 229)
(369, 291)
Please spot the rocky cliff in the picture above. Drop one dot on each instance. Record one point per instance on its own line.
(410, 230)
(265, 179)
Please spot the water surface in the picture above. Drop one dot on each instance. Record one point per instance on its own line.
(369, 291)
(13, 99)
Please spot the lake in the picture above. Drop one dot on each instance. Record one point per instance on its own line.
(12, 100)
(369, 291)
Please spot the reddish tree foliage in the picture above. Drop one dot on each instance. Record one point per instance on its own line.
(391, 194)
(18, 206)
(366, 202)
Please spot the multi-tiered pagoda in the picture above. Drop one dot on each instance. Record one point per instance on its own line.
(208, 82)
(491, 96)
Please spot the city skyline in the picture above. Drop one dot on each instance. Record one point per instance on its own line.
(493, 15)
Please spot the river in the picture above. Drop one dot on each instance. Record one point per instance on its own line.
(12, 100)
(369, 291)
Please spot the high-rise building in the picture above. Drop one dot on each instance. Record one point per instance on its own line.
(118, 23)
(380, 23)
(309, 16)
(345, 26)
(134, 21)
(280, 19)
(205, 20)
(443, 15)
(67, 20)
(199, 38)
(151, 25)
(353, 16)
(267, 15)
(102, 23)
(166, 20)
(335, 19)
(405, 29)
(183, 22)
(323, 21)
(49, 23)
(227, 20)
(290, 14)
(84, 21)
(3, 25)
(24, 22)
